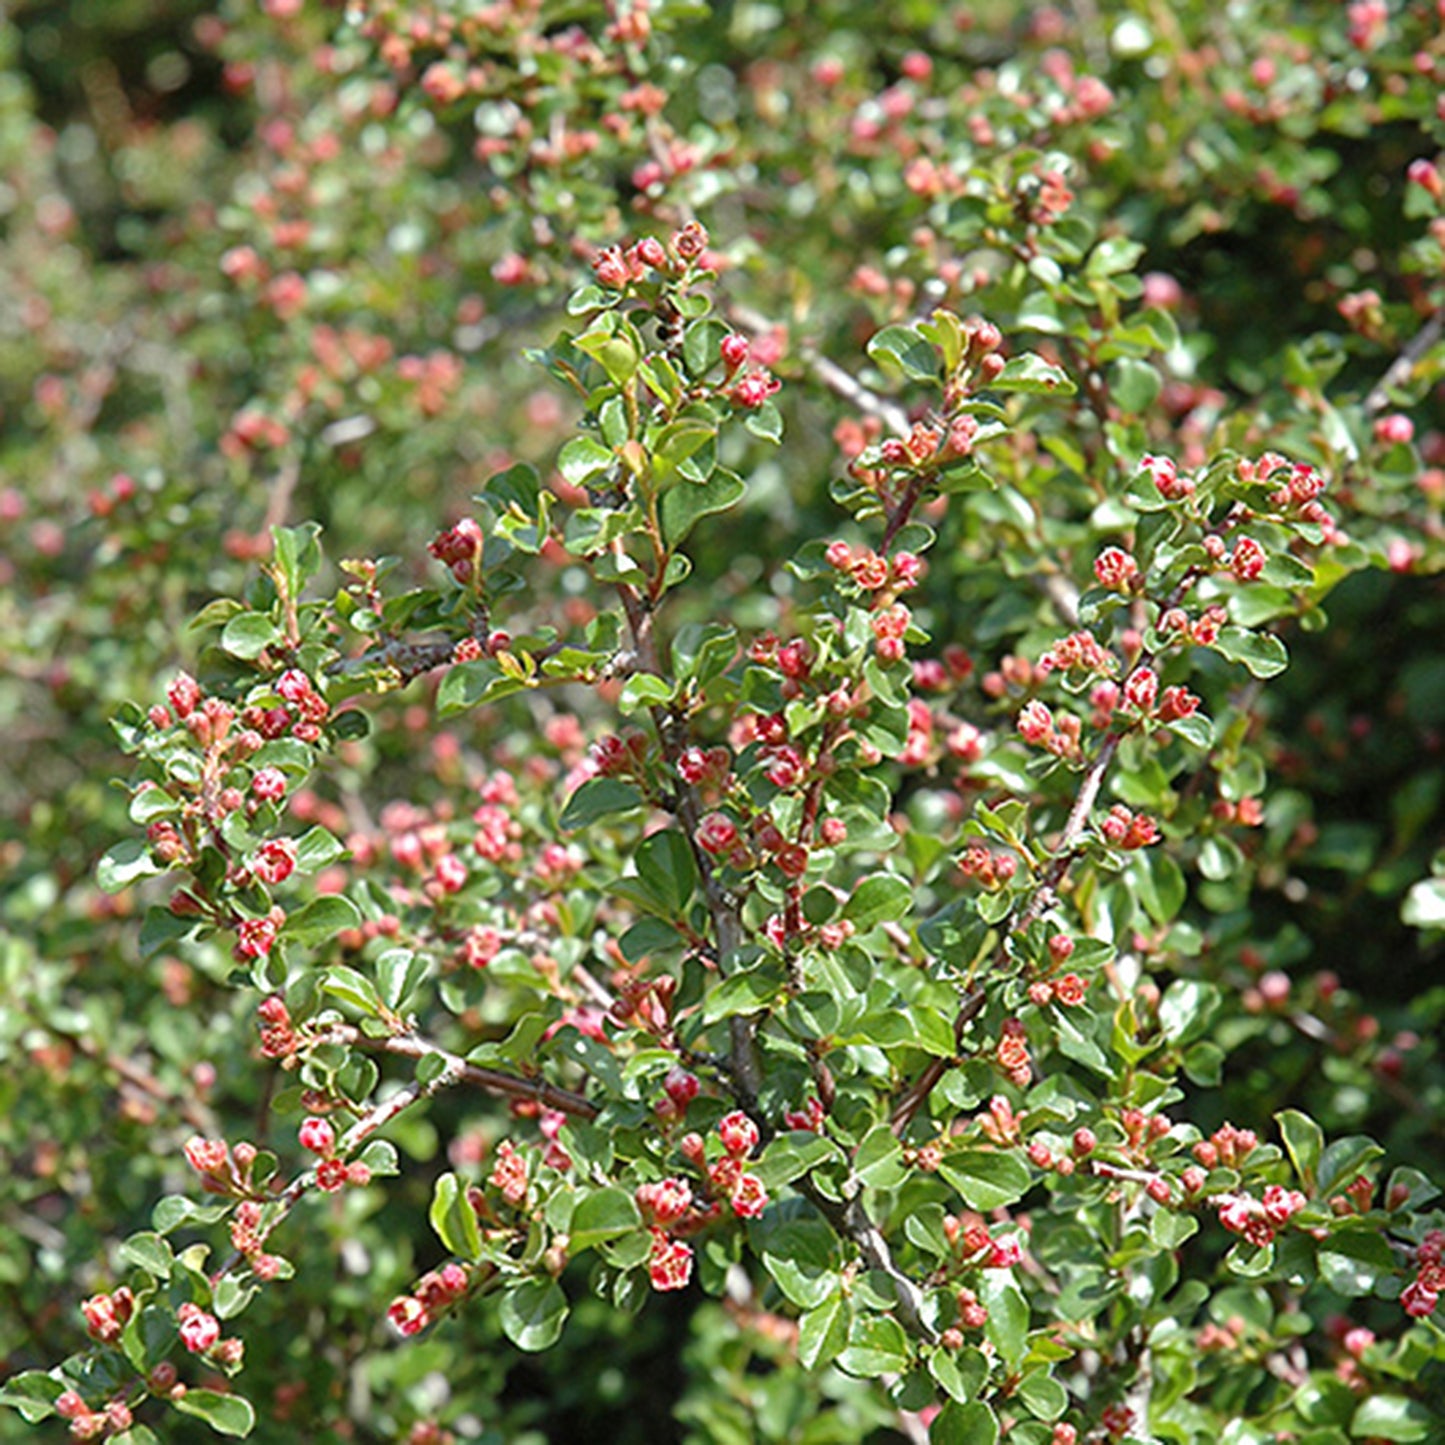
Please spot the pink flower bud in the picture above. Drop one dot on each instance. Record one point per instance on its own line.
(738, 1133)
(318, 1136)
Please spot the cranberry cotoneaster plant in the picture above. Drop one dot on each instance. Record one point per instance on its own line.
(819, 969)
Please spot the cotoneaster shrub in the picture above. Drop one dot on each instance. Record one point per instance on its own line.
(794, 831)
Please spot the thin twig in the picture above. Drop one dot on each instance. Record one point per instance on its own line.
(494, 1081)
(1398, 372)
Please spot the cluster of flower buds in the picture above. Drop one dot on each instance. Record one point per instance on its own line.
(1116, 569)
(873, 573)
(317, 1136)
(810, 1117)
(459, 549)
(978, 1248)
(718, 835)
(222, 1170)
(249, 1241)
(1420, 1297)
(1000, 1125)
(509, 1174)
(200, 1333)
(1257, 1220)
(932, 674)
(301, 711)
(1059, 735)
(890, 626)
(1203, 630)
(980, 363)
(1068, 991)
(663, 1203)
(992, 870)
(1122, 828)
(115, 1419)
(106, 1314)
(256, 937)
(1163, 472)
(1079, 652)
(278, 1035)
(914, 450)
(434, 1292)
(1226, 1148)
(622, 756)
(1013, 1052)
(618, 267)
(707, 769)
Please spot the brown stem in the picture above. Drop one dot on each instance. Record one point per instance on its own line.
(1398, 372)
(458, 1071)
(192, 1111)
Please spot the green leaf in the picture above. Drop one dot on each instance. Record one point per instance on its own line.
(399, 971)
(881, 898)
(649, 936)
(907, 350)
(1113, 256)
(1029, 372)
(599, 798)
(320, 920)
(687, 503)
(124, 863)
(1008, 1314)
(352, 987)
(1169, 1230)
(163, 929)
(1344, 1160)
(149, 1252)
(792, 1154)
(961, 1373)
(985, 1180)
(1263, 654)
(582, 459)
(1044, 1396)
(1186, 1008)
(176, 1209)
(533, 1313)
(1353, 1261)
(1304, 1140)
(454, 1219)
(380, 1157)
(801, 1255)
(823, 1331)
(601, 1215)
(225, 1414)
(879, 1160)
(231, 1297)
(971, 1424)
(1393, 1417)
(316, 848)
(1424, 905)
(465, 684)
(33, 1393)
(644, 689)
(296, 554)
(1159, 883)
(248, 634)
(1135, 385)
(876, 1346)
(666, 867)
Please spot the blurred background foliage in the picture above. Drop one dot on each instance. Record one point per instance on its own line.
(255, 272)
